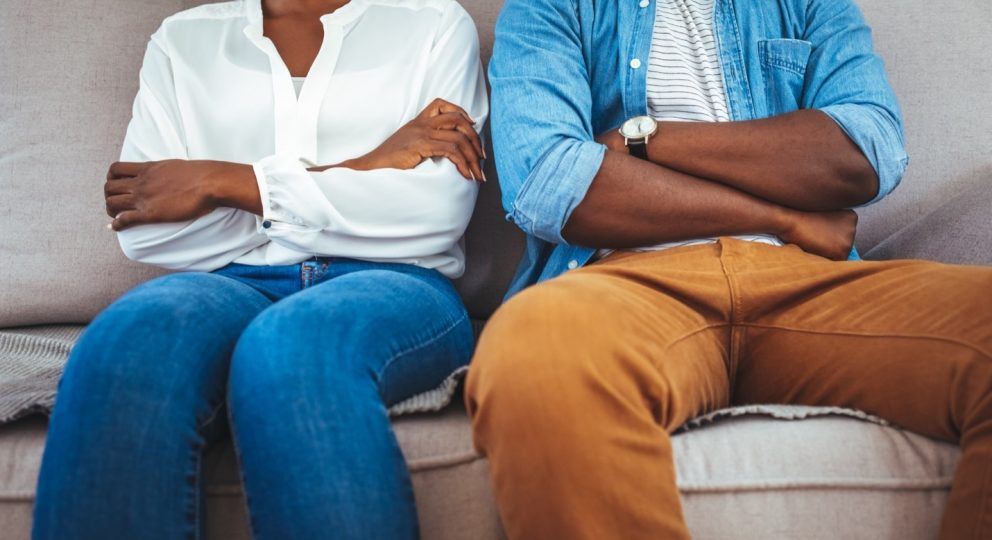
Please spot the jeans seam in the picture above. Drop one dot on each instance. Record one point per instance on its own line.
(241, 470)
(197, 462)
(198, 466)
(418, 346)
(975, 348)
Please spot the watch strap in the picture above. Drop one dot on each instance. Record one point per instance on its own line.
(638, 149)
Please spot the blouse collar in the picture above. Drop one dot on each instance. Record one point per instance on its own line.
(342, 17)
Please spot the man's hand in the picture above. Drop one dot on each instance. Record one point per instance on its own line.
(440, 130)
(827, 234)
(175, 190)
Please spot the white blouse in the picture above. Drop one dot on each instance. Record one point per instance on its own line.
(213, 87)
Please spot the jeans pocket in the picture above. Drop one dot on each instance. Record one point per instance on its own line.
(783, 67)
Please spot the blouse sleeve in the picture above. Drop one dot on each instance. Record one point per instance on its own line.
(156, 133)
(386, 212)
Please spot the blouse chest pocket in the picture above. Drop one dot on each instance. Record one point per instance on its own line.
(783, 67)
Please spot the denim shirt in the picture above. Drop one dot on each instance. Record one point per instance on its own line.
(564, 71)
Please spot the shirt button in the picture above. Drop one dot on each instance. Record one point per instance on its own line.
(635, 63)
(645, 3)
(573, 264)
(266, 224)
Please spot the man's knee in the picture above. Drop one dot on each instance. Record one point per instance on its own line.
(530, 351)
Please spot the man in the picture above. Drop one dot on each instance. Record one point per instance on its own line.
(694, 261)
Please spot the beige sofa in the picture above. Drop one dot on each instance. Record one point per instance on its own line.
(68, 72)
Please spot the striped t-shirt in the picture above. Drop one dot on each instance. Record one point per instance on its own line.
(685, 80)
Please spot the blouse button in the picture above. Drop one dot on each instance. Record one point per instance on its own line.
(645, 3)
(573, 264)
(266, 224)
(635, 63)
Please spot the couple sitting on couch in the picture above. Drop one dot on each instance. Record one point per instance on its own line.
(684, 171)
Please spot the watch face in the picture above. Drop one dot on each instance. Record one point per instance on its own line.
(639, 127)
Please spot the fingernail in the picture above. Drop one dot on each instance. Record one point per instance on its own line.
(484, 179)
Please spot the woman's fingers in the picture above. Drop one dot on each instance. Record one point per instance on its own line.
(457, 122)
(440, 106)
(451, 151)
(466, 148)
(119, 186)
(124, 169)
(126, 219)
(119, 203)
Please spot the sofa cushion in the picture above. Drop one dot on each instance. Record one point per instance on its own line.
(68, 75)
(743, 475)
(752, 476)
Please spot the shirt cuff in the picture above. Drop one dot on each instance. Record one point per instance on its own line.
(289, 195)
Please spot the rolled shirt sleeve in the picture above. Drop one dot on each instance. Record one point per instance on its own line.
(541, 122)
(847, 81)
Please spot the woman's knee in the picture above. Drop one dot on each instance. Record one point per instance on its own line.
(161, 332)
(289, 348)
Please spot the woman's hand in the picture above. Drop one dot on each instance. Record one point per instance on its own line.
(176, 190)
(441, 130)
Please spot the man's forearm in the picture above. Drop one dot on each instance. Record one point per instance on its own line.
(802, 160)
(634, 203)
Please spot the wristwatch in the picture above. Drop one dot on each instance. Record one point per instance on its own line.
(636, 133)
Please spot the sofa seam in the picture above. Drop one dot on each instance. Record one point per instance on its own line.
(941, 484)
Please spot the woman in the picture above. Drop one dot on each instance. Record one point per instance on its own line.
(309, 164)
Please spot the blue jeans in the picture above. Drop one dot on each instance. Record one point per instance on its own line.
(305, 359)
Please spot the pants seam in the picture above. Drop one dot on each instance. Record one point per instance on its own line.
(694, 333)
(983, 505)
(975, 348)
(736, 307)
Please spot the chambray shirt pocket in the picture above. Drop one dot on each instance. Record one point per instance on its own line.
(783, 68)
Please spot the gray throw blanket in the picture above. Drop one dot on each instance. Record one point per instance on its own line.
(31, 362)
